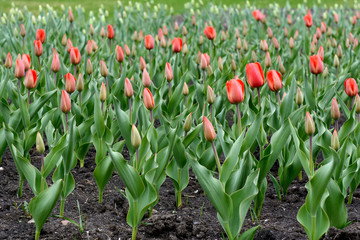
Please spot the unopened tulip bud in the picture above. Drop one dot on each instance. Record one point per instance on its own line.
(65, 103)
(89, 67)
(312, 48)
(223, 36)
(128, 88)
(187, 124)
(193, 20)
(281, 66)
(94, 46)
(289, 19)
(203, 62)
(102, 92)
(198, 57)
(285, 32)
(146, 78)
(168, 72)
(267, 60)
(135, 36)
(40, 147)
(133, 50)
(335, 112)
(233, 65)
(329, 32)
(148, 99)
(291, 43)
(103, 69)
(80, 83)
(64, 40)
(55, 65)
(8, 61)
(127, 50)
(69, 45)
(238, 44)
(102, 32)
(336, 61)
(30, 79)
(335, 144)
(244, 30)
(270, 33)
(19, 69)
(339, 52)
(22, 30)
(210, 95)
(325, 72)
(318, 33)
(237, 33)
(184, 31)
(220, 64)
(89, 48)
(328, 43)
(209, 131)
(185, 49)
(201, 40)
(176, 26)
(357, 104)
(245, 46)
(135, 137)
(347, 43)
(209, 70)
(333, 43)
(253, 56)
(91, 30)
(142, 64)
(299, 97)
(309, 124)
(276, 43)
(185, 89)
(162, 42)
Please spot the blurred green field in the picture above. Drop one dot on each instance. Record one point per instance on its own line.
(178, 5)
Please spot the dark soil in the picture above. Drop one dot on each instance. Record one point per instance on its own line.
(196, 219)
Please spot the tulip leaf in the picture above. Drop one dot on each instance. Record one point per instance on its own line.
(125, 126)
(40, 102)
(103, 173)
(98, 118)
(315, 225)
(179, 153)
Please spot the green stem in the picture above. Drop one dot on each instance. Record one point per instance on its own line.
(62, 207)
(227, 230)
(311, 163)
(137, 166)
(100, 196)
(178, 191)
(169, 83)
(238, 118)
(259, 97)
(313, 227)
(300, 175)
(204, 78)
(134, 230)
(130, 110)
(216, 157)
(37, 234)
(82, 163)
(21, 183)
(350, 197)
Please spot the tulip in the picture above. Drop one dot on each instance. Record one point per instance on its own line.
(149, 42)
(146, 78)
(255, 77)
(133, 51)
(335, 144)
(299, 97)
(357, 106)
(308, 20)
(94, 46)
(351, 88)
(353, 20)
(187, 124)
(91, 30)
(263, 45)
(336, 18)
(185, 92)
(141, 36)
(8, 61)
(235, 92)
(55, 64)
(40, 147)
(220, 64)
(176, 26)
(64, 40)
(65, 105)
(321, 53)
(89, 48)
(22, 33)
(135, 142)
(75, 56)
(210, 33)
(148, 101)
(69, 83)
(210, 97)
(318, 33)
(291, 43)
(323, 27)
(335, 112)
(267, 60)
(210, 135)
(102, 95)
(201, 40)
(160, 34)
(89, 67)
(119, 56)
(70, 16)
(310, 130)
(285, 32)
(289, 20)
(38, 49)
(163, 43)
(110, 33)
(316, 67)
(259, 16)
(69, 45)
(193, 20)
(19, 71)
(102, 32)
(253, 56)
(274, 82)
(203, 62)
(165, 30)
(176, 45)
(40, 35)
(30, 79)
(276, 43)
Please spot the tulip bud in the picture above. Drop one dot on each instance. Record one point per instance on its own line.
(244, 30)
(220, 64)
(135, 137)
(245, 46)
(267, 60)
(55, 65)
(80, 83)
(135, 36)
(185, 89)
(176, 26)
(65, 102)
(187, 125)
(142, 64)
(333, 43)
(237, 33)
(185, 49)
(148, 99)
(184, 31)
(89, 67)
(102, 32)
(291, 43)
(357, 104)
(19, 69)
(89, 48)
(102, 92)
(276, 43)
(68, 44)
(336, 61)
(270, 33)
(91, 30)
(133, 50)
(210, 95)
(233, 65)
(339, 51)
(201, 40)
(238, 44)
(325, 72)
(299, 97)
(309, 124)
(168, 72)
(289, 20)
(223, 36)
(103, 69)
(335, 144)
(40, 147)
(318, 33)
(312, 48)
(165, 30)
(203, 62)
(209, 131)
(127, 50)
(30, 79)
(285, 32)
(8, 61)
(281, 66)
(335, 112)
(163, 42)
(296, 34)
(209, 70)
(128, 88)
(253, 56)
(146, 78)
(329, 32)
(94, 46)
(22, 30)
(198, 57)
(38, 49)
(347, 43)
(193, 20)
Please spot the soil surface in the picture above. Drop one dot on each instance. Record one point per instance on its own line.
(196, 219)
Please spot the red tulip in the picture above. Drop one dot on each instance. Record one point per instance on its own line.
(353, 21)
(148, 99)
(203, 62)
(110, 32)
(235, 91)
(55, 65)
(308, 20)
(318, 33)
(119, 53)
(255, 75)
(336, 18)
(209, 131)
(8, 61)
(127, 50)
(323, 27)
(38, 49)
(69, 83)
(40, 35)
(351, 88)
(19, 69)
(259, 16)
(30, 79)
(128, 88)
(149, 42)
(142, 64)
(89, 48)
(75, 56)
(70, 16)
(68, 44)
(289, 20)
(103, 69)
(27, 61)
(176, 45)
(168, 72)
(210, 32)
(160, 33)
(65, 102)
(321, 53)
(316, 64)
(274, 80)
(146, 78)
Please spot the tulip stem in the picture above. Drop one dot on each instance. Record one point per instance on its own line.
(185, 101)
(39, 63)
(130, 110)
(28, 98)
(75, 71)
(151, 116)
(216, 157)
(311, 163)
(337, 125)
(259, 97)
(102, 107)
(358, 117)
(109, 45)
(120, 69)
(62, 207)
(204, 78)
(211, 112)
(23, 42)
(107, 86)
(150, 58)
(19, 84)
(238, 118)
(55, 79)
(278, 97)
(20, 190)
(316, 78)
(137, 160)
(66, 122)
(80, 99)
(169, 83)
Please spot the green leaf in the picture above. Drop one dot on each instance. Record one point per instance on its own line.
(231, 159)
(179, 153)
(103, 173)
(98, 118)
(40, 102)
(314, 227)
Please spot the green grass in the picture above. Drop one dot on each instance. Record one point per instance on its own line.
(178, 5)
